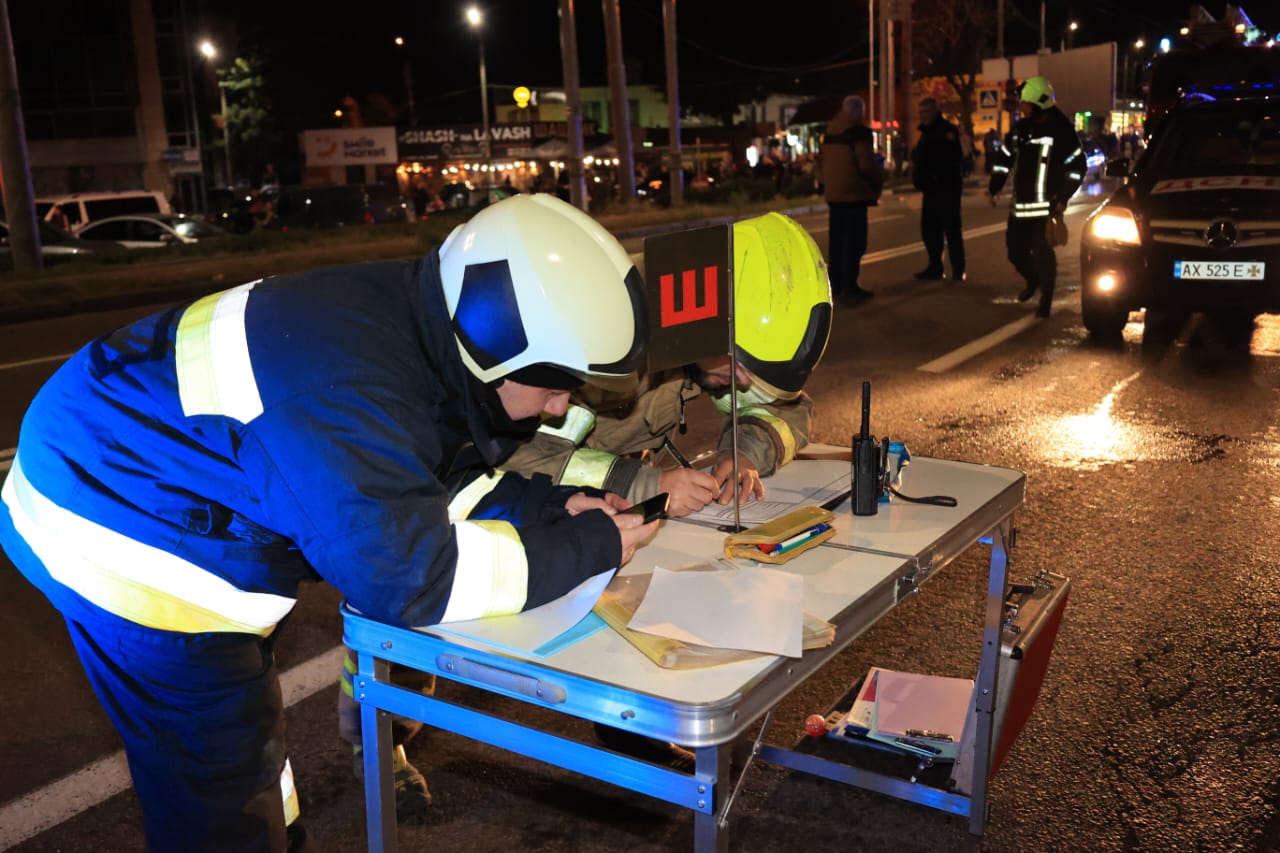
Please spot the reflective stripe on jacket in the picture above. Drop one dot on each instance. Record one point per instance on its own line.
(1047, 163)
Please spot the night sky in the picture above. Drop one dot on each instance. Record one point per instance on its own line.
(317, 52)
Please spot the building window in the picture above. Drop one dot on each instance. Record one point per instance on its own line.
(75, 68)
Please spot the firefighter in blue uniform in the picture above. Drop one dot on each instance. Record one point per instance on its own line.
(1043, 154)
(177, 479)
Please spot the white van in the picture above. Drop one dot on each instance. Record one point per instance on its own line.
(79, 209)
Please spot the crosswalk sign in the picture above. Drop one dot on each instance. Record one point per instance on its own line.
(988, 99)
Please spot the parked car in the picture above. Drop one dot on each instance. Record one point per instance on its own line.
(56, 244)
(233, 210)
(152, 232)
(1194, 227)
(75, 210)
(315, 207)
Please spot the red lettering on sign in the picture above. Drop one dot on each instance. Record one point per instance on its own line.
(691, 307)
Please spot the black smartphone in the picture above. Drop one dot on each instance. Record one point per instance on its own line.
(652, 509)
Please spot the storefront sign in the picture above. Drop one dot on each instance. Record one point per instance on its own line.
(465, 141)
(350, 146)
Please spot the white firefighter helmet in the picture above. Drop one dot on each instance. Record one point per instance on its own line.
(539, 290)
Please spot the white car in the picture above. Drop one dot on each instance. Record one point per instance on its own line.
(151, 232)
(55, 243)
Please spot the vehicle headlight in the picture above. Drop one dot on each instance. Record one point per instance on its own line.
(1116, 225)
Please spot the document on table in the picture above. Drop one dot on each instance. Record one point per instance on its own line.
(758, 610)
(534, 629)
(803, 482)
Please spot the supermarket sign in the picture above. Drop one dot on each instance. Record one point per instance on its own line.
(350, 146)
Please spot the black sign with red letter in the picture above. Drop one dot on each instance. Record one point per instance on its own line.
(687, 277)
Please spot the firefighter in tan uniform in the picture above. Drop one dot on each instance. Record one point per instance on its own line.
(782, 307)
(783, 318)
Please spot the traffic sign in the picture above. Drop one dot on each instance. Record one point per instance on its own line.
(897, 10)
(988, 99)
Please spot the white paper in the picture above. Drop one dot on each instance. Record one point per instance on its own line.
(756, 609)
(524, 632)
(790, 487)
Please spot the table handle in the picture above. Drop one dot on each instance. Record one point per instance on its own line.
(512, 682)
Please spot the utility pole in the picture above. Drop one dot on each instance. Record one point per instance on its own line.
(573, 102)
(886, 85)
(620, 112)
(19, 205)
(675, 168)
(1004, 93)
(226, 131)
(908, 96)
(871, 72)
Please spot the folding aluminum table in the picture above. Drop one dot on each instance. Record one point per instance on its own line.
(872, 564)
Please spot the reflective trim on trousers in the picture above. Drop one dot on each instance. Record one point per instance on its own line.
(131, 579)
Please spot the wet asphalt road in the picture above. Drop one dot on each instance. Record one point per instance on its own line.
(1151, 483)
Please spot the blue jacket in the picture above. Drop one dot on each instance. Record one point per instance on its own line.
(188, 471)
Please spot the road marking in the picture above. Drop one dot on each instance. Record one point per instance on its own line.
(32, 361)
(60, 801)
(818, 229)
(982, 344)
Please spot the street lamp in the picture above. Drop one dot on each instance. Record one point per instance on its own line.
(476, 19)
(408, 84)
(210, 52)
(1131, 61)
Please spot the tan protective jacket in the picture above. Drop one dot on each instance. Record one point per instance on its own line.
(602, 440)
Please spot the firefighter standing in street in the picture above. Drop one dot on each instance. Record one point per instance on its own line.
(1043, 154)
(177, 479)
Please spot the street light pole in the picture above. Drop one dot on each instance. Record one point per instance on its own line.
(475, 18)
(226, 130)
(210, 52)
(408, 85)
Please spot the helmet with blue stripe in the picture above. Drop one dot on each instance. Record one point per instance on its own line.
(540, 292)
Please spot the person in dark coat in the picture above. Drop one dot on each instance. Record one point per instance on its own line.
(937, 171)
(853, 177)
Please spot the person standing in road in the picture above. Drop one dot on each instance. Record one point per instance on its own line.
(1047, 164)
(178, 479)
(853, 178)
(937, 171)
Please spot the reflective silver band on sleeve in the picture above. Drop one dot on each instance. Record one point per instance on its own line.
(574, 427)
(492, 574)
(472, 493)
(211, 358)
